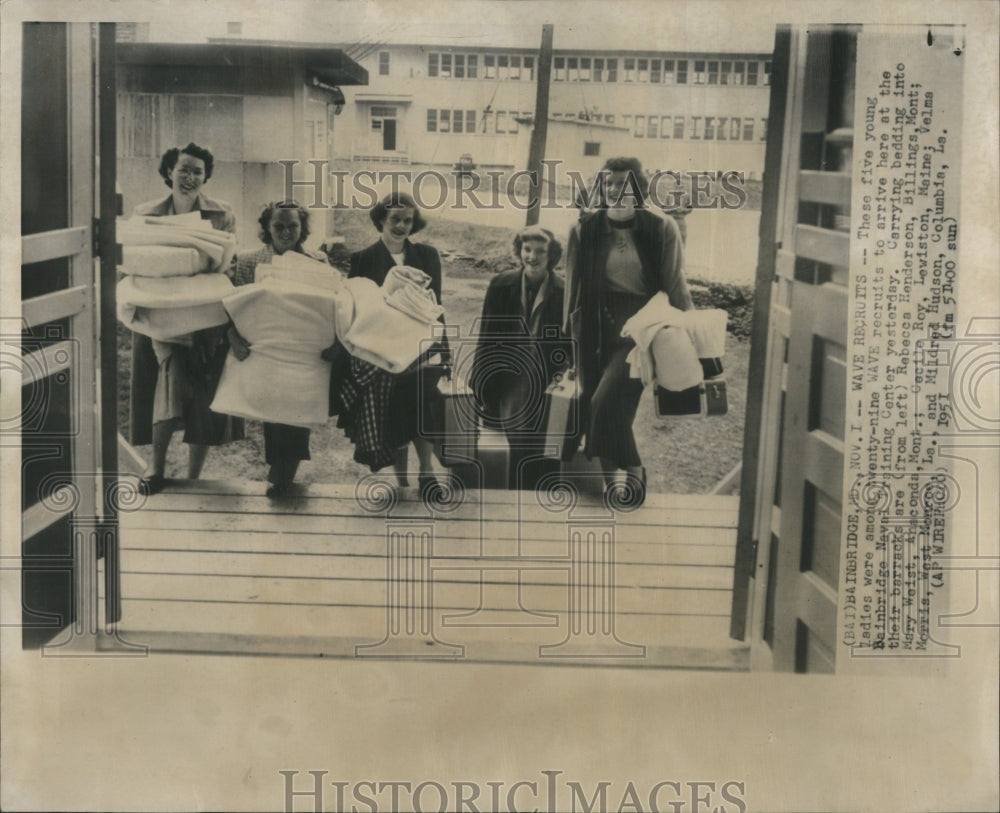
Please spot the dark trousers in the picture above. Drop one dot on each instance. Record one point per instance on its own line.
(612, 411)
(284, 444)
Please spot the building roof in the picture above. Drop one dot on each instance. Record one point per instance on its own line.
(330, 64)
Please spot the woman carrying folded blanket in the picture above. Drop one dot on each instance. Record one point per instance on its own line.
(181, 374)
(284, 226)
(383, 425)
(619, 256)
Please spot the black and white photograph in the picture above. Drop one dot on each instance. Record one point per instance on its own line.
(499, 405)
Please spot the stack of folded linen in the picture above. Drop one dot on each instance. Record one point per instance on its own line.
(407, 289)
(389, 336)
(669, 342)
(287, 316)
(172, 285)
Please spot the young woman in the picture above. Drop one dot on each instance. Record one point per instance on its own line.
(182, 374)
(520, 349)
(618, 257)
(396, 217)
(284, 226)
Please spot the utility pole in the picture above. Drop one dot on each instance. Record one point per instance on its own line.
(536, 152)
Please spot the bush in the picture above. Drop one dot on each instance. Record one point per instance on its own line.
(736, 300)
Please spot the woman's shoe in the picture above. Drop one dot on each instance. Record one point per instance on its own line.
(150, 484)
(629, 495)
(431, 490)
(277, 490)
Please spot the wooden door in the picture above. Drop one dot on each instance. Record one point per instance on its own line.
(790, 529)
(67, 440)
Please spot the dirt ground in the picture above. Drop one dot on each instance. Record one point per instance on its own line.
(682, 455)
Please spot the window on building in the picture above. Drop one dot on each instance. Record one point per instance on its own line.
(501, 121)
(643, 72)
(752, 68)
(472, 66)
(460, 66)
(763, 129)
(739, 69)
(665, 126)
(383, 63)
(572, 69)
(668, 71)
(612, 75)
(444, 121)
(610, 118)
(678, 126)
(713, 72)
(559, 69)
(457, 121)
(585, 70)
(709, 128)
(432, 121)
(748, 129)
(470, 121)
(490, 66)
(697, 127)
(515, 67)
(682, 71)
(640, 127)
(767, 73)
(700, 77)
(735, 128)
(598, 69)
(591, 148)
(656, 71)
(529, 68)
(629, 69)
(235, 28)
(446, 65)
(652, 126)
(432, 64)
(725, 69)
(503, 66)
(720, 128)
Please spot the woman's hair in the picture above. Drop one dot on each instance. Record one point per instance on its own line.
(396, 200)
(638, 183)
(268, 212)
(544, 235)
(169, 160)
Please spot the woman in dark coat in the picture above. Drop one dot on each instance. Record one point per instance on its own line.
(618, 258)
(284, 226)
(181, 375)
(521, 348)
(412, 395)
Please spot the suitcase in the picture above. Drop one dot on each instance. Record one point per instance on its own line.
(562, 418)
(707, 399)
(455, 442)
(493, 458)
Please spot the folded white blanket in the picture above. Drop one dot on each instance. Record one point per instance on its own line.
(216, 246)
(174, 324)
(420, 304)
(169, 307)
(673, 360)
(162, 261)
(283, 380)
(372, 330)
(404, 276)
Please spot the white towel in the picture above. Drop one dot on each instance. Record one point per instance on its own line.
(373, 331)
(162, 261)
(170, 307)
(217, 246)
(674, 364)
(283, 380)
